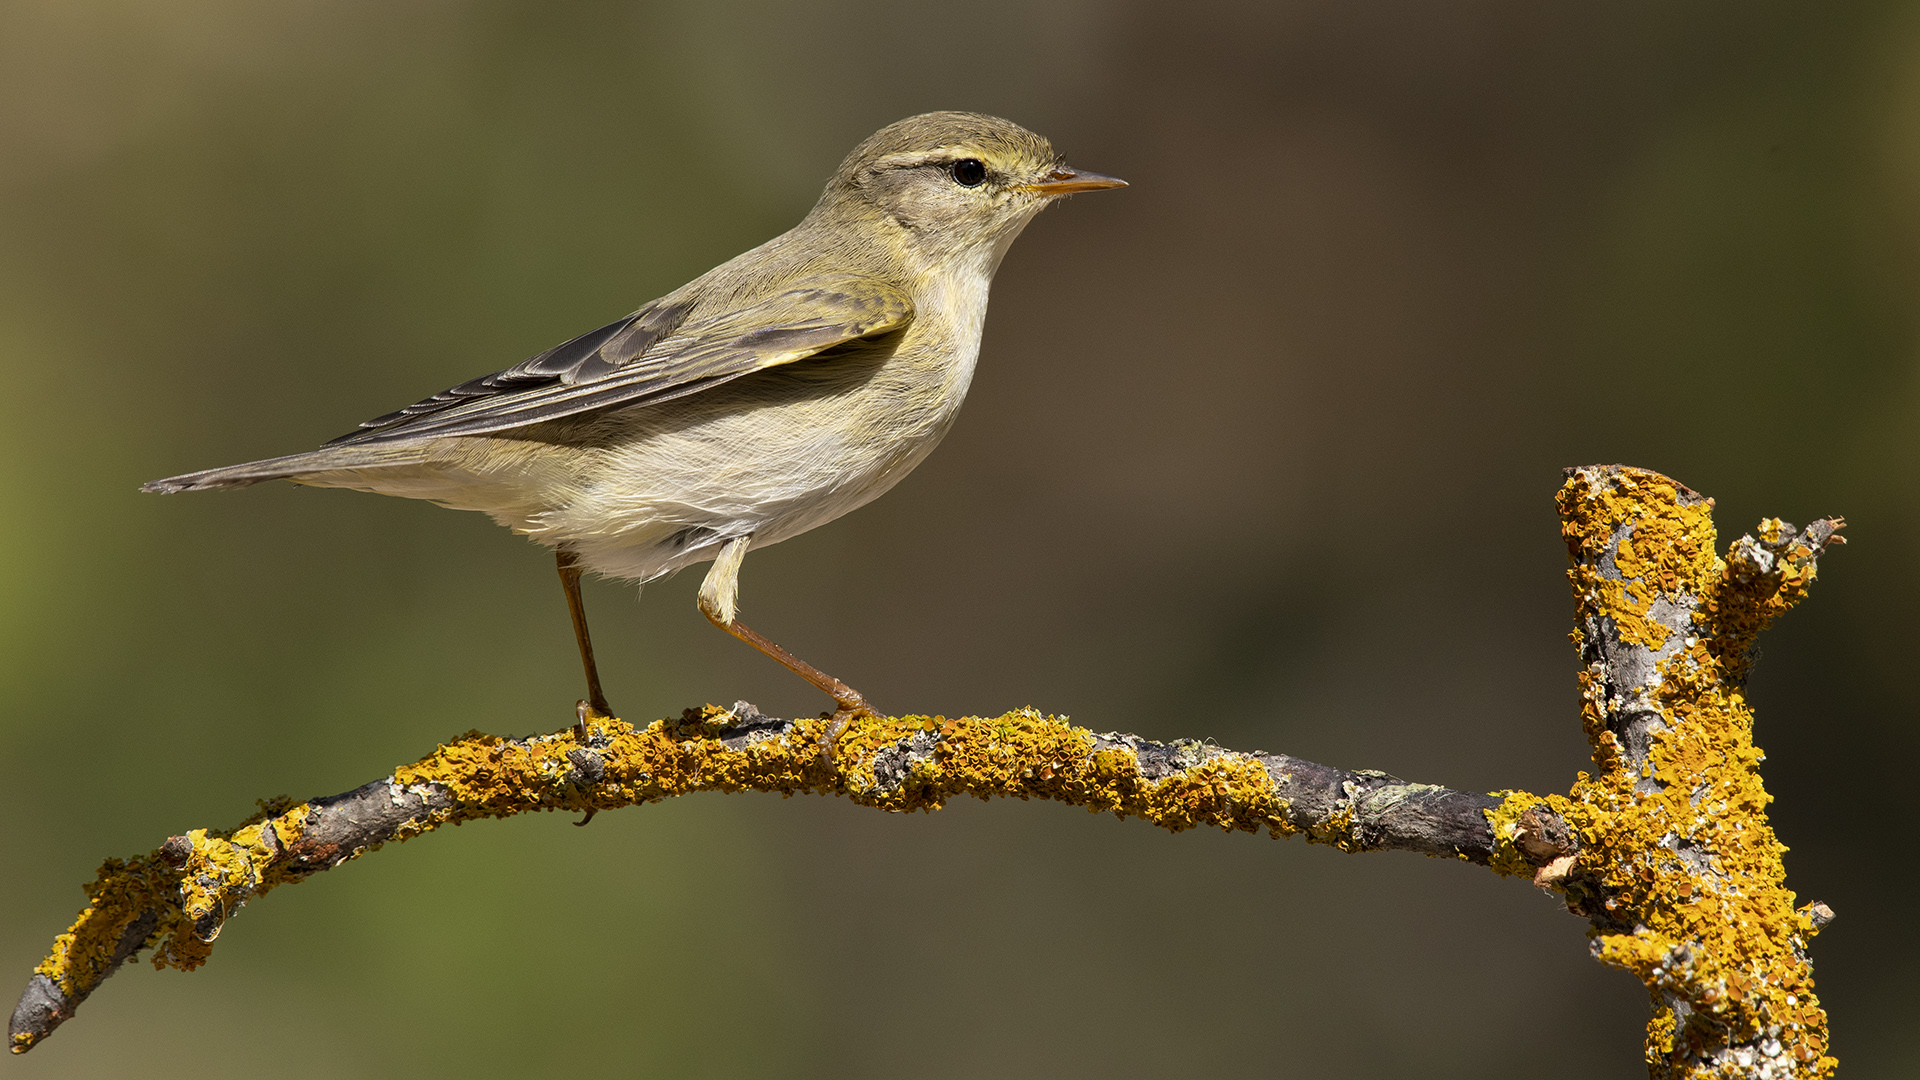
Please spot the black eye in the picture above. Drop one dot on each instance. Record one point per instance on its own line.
(968, 172)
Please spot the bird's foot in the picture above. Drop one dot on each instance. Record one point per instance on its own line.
(851, 706)
(585, 711)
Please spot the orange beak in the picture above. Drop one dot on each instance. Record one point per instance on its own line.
(1065, 181)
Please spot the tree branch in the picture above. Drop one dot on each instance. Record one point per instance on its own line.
(176, 899)
(1666, 850)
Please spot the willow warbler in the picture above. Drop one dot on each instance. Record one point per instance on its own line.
(771, 394)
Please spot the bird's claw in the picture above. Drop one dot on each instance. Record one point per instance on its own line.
(585, 711)
(850, 707)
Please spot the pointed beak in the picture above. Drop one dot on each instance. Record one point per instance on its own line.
(1065, 181)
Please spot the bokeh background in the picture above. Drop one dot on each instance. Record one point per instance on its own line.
(1261, 449)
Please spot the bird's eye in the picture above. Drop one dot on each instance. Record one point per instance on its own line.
(968, 172)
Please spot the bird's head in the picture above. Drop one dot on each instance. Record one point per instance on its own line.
(959, 184)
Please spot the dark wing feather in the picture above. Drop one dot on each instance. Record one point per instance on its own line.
(588, 356)
(651, 356)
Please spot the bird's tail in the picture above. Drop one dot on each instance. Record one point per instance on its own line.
(291, 467)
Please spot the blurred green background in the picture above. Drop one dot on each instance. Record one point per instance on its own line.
(1261, 449)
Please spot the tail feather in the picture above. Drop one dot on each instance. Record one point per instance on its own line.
(327, 459)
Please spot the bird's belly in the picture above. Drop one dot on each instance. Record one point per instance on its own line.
(770, 455)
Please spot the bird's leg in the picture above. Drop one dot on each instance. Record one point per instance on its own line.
(719, 596)
(596, 702)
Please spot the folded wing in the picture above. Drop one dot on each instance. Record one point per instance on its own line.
(656, 354)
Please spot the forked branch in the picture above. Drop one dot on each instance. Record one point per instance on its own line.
(1666, 849)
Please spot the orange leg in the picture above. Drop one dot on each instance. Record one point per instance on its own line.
(718, 596)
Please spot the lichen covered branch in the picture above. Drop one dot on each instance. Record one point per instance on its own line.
(1665, 848)
(176, 899)
(1678, 870)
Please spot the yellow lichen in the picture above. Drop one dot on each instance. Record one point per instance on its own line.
(182, 887)
(1508, 859)
(1729, 942)
(1335, 830)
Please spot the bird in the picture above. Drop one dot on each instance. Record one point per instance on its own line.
(770, 395)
